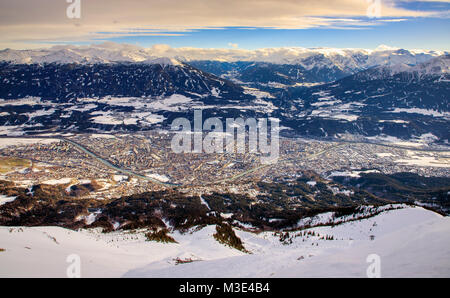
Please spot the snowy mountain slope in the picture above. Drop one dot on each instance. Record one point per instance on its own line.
(365, 88)
(100, 53)
(68, 81)
(263, 74)
(437, 67)
(29, 250)
(319, 66)
(403, 239)
(410, 241)
(414, 251)
(360, 103)
(42, 252)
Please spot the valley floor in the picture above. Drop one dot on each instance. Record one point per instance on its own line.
(411, 242)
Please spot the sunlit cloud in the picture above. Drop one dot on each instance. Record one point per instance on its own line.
(25, 23)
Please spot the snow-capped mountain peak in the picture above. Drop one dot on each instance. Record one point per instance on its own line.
(103, 53)
(436, 66)
(349, 60)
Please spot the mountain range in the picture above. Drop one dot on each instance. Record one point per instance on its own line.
(345, 59)
(314, 92)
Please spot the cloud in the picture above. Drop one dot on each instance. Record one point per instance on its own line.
(24, 22)
(446, 1)
(273, 55)
(233, 45)
(126, 52)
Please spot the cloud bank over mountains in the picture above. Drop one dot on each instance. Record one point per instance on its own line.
(308, 57)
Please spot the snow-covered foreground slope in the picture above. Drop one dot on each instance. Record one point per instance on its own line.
(409, 241)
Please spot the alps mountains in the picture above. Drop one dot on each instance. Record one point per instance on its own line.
(323, 93)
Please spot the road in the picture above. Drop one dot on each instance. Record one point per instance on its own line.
(98, 158)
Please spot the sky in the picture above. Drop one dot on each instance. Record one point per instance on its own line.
(242, 24)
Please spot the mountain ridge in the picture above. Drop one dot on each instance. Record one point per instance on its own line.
(113, 52)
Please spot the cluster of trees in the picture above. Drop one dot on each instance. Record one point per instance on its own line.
(404, 188)
(160, 236)
(225, 235)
